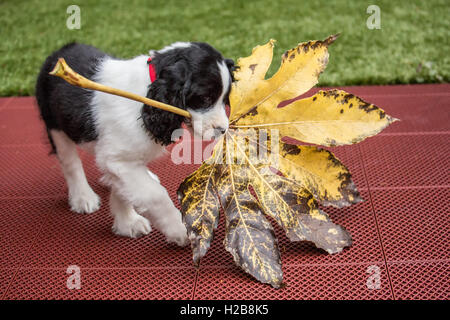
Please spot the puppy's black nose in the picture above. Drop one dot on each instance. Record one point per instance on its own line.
(221, 130)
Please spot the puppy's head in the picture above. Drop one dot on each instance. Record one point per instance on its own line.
(193, 76)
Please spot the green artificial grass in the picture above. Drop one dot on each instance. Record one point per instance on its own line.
(411, 46)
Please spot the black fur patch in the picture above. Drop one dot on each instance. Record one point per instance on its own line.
(63, 106)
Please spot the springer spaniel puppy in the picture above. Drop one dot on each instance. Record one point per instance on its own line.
(125, 135)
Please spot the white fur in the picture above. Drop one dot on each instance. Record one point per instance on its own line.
(172, 46)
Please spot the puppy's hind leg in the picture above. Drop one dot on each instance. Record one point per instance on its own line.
(82, 198)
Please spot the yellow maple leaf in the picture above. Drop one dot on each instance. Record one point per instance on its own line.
(253, 173)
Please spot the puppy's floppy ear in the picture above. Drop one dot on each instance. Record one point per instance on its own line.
(187, 78)
(231, 67)
(171, 87)
(181, 74)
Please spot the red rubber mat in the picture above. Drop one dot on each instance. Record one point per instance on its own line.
(401, 230)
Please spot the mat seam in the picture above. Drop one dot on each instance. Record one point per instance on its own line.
(107, 268)
(29, 197)
(342, 263)
(32, 245)
(376, 222)
(444, 186)
(197, 274)
(400, 95)
(288, 265)
(418, 261)
(413, 133)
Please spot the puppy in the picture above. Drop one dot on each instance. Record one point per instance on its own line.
(125, 135)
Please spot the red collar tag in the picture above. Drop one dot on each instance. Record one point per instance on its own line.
(151, 70)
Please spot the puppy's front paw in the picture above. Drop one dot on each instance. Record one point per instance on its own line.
(84, 201)
(133, 227)
(177, 234)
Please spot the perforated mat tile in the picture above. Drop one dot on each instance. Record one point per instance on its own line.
(29, 171)
(408, 92)
(407, 160)
(6, 276)
(21, 220)
(31, 131)
(423, 113)
(403, 224)
(303, 282)
(414, 223)
(421, 280)
(122, 284)
(4, 102)
(21, 102)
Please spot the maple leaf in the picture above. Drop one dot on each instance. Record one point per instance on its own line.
(253, 173)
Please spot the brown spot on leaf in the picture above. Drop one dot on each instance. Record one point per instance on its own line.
(316, 44)
(367, 107)
(347, 97)
(332, 158)
(342, 110)
(252, 67)
(253, 111)
(331, 93)
(291, 149)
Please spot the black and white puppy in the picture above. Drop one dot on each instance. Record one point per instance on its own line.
(125, 135)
